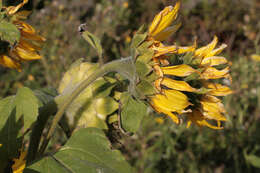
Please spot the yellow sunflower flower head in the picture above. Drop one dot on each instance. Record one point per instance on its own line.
(181, 81)
(20, 44)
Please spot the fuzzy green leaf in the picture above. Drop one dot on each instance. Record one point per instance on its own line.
(146, 88)
(142, 69)
(133, 112)
(9, 32)
(88, 150)
(27, 105)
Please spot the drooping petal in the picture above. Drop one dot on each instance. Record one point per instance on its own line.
(28, 45)
(163, 35)
(13, 9)
(214, 60)
(213, 110)
(172, 101)
(197, 118)
(218, 89)
(179, 70)
(9, 62)
(162, 50)
(216, 51)
(26, 55)
(203, 51)
(213, 73)
(177, 85)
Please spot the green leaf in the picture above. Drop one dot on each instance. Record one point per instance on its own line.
(253, 160)
(142, 69)
(45, 95)
(93, 41)
(146, 56)
(133, 112)
(144, 46)
(10, 127)
(193, 76)
(106, 106)
(27, 105)
(15, 112)
(146, 88)
(9, 32)
(88, 150)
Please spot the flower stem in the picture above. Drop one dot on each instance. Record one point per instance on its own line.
(123, 66)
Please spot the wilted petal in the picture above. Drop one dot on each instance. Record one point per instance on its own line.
(26, 55)
(9, 62)
(167, 32)
(203, 51)
(178, 70)
(216, 51)
(218, 89)
(214, 60)
(177, 85)
(197, 118)
(213, 73)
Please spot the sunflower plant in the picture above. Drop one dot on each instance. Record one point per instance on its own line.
(183, 83)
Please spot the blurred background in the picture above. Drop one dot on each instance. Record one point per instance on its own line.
(159, 146)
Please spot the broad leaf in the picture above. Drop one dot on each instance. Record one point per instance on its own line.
(15, 112)
(27, 105)
(9, 32)
(133, 112)
(87, 151)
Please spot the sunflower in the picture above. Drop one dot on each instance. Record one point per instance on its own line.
(28, 45)
(183, 84)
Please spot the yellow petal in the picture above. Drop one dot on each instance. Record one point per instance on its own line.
(26, 55)
(13, 9)
(177, 85)
(9, 62)
(171, 101)
(167, 32)
(24, 27)
(178, 70)
(161, 109)
(164, 19)
(209, 106)
(28, 46)
(216, 51)
(162, 50)
(213, 73)
(214, 60)
(197, 118)
(213, 110)
(31, 36)
(218, 89)
(203, 51)
(215, 116)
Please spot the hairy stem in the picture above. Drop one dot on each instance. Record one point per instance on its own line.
(123, 66)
